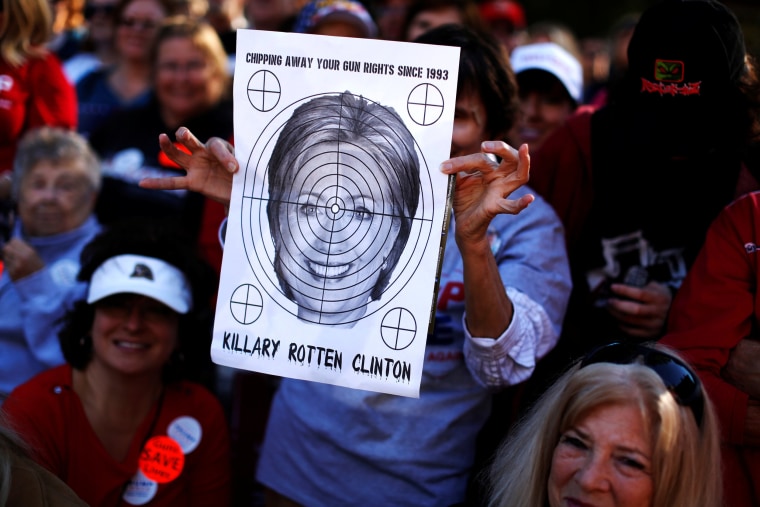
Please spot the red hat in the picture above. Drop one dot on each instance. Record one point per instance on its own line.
(492, 10)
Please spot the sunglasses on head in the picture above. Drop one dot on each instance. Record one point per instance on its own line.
(91, 10)
(678, 378)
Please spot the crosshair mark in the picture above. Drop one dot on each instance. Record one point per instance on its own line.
(425, 104)
(398, 328)
(246, 304)
(264, 91)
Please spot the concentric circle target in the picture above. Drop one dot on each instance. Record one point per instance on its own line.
(326, 224)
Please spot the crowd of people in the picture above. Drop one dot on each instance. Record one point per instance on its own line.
(603, 349)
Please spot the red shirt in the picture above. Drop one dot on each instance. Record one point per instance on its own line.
(35, 94)
(49, 415)
(717, 306)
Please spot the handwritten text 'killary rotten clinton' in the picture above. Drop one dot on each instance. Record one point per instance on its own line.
(312, 355)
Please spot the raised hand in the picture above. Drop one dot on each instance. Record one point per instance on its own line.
(483, 187)
(209, 166)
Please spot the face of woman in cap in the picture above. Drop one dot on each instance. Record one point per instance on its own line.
(336, 232)
(133, 334)
(605, 460)
(545, 105)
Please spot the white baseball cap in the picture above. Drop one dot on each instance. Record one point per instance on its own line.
(555, 60)
(147, 276)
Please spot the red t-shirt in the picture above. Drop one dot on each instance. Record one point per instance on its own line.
(49, 416)
(35, 94)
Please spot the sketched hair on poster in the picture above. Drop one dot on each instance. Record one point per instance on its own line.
(344, 186)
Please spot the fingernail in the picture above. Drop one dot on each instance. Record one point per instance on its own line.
(231, 166)
(181, 131)
(489, 145)
(445, 166)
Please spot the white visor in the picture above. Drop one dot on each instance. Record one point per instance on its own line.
(555, 60)
(147, 276)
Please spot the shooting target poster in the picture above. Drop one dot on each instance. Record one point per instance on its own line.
(338, 211)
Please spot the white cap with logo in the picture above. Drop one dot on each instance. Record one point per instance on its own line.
(147, 276)
(555, 60)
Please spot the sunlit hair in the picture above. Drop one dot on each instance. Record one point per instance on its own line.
(203, 37)
(25, 28)
(558, 33)
(57, 146)
(378, 130)
(68, 15)
(685, 460)
(11, 446)
(484, 69)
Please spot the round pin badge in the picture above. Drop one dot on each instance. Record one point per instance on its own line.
(140, 490)
(162, 459)
(186, 431)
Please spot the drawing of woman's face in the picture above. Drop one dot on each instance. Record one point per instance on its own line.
(336, 230)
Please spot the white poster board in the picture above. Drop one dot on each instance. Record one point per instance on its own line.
(337, 213)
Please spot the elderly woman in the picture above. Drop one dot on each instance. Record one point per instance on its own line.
(121, 423)
(628, 426)
(55, 183)
(190, 87)
(344, 183)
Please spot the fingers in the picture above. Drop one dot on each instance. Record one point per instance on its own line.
(501, 149)
(178, 156)
(224, 153)
(512, 161)
(468, 164)
(189, 140)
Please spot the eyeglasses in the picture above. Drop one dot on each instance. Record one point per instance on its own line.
(138, 24)
(678, 378)
(90, 11)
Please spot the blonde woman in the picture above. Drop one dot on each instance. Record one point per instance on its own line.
(33, 88)
(23, 481)
(630, 426)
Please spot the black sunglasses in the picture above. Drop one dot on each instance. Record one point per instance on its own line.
(680, 380)
(91, 10)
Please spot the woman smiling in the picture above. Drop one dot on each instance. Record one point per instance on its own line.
(122, 423)
(190, 88)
